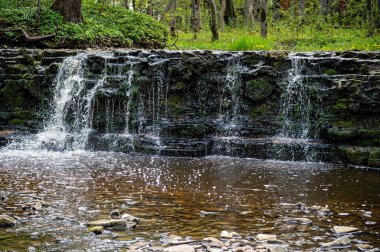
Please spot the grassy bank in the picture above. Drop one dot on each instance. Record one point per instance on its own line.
(305, 39)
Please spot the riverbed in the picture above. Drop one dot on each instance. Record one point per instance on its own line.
(192, 198)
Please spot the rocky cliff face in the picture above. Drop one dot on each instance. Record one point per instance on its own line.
(317, 106)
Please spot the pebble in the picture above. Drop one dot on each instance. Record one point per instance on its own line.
(7, 221)
(31, 249)
(130, 218)
(344, 229)
(277, 249)
(37, 206)
(369, 223)
(214, 242)
(229, 235)
(364, 247)
(226, 234)
(265, 237)
(341, 242)
(115, 214)
(179, 248)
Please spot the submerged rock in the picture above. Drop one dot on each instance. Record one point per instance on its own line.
(7, 221)
(114, 224)
(301, 221)
(96, 229)
(341, 242)
(179, 248)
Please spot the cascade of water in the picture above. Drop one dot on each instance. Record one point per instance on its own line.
(295, 103)
(230, 99)
(70, 122)
(130, 74)
(158, 97)
(233, 86)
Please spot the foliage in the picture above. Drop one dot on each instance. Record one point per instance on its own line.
(107, 24)
(282, 38)
(113, 26)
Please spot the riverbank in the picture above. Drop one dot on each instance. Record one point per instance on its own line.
(283, 37)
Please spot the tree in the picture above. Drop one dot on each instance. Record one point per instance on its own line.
(325, 6)
(213, 22)
(251, 11)
(263, 18)
(370, 17)
(194, 17)
(71, 10)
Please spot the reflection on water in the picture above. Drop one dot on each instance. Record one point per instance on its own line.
(195, 197)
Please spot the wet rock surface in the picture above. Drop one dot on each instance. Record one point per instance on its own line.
(199, 103)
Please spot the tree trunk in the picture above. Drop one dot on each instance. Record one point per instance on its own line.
(134, 4)
(378, 14)
(71, 10)
(149, 10)
(263, 18)
(194, 21)
(301, 5)
(213, 21)
(38, 11)
(230, 10)
(126, 4)
(276, 9)
(370, 17)
(324, 7)
(199, 16)
(256, 10)
(222, 12)
(172, 6)
(248, 13)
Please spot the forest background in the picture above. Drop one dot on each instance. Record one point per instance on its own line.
(297, 25)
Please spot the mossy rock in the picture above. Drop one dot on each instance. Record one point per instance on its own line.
(354, 154)
(341, 135)
(258, 90)
(330, 72)
(374, 157)
(343, 105)
(17, 122)
(371, 133)
(96, 229)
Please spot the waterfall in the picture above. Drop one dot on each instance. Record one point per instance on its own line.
(129, 93)
(230, 98)
(295, 102)
(70, 121)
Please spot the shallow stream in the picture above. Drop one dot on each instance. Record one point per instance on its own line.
(197, 197)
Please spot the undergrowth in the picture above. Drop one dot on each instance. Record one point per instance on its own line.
(113, 26)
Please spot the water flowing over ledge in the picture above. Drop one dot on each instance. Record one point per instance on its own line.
(268, 105)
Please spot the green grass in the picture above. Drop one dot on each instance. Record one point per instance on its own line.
(282, 38)
(112, 27)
